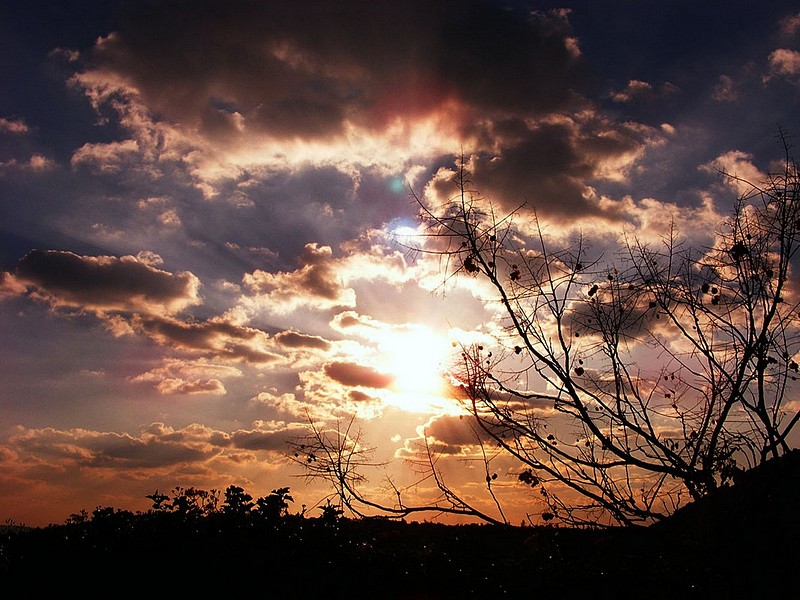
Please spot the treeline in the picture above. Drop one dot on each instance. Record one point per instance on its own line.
(192, 503)
(184, 505)
(188, 532)
(195, 541)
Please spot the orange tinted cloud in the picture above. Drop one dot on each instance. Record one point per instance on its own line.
(785, 63)
(293, 339)
(355, 375)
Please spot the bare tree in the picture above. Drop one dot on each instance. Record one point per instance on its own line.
(625, 386)
(339, 456)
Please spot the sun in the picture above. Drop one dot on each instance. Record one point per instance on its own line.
(417, 358)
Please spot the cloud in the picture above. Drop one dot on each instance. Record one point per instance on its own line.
(315, 283)
(37, 163)
(652, 219)
(330, 94)
(323, 73)
(295, 340)
(188, 377)
(642, 91)
(327, 391)
(323, 281)
(264, 88)
(453, 431)
(360, 397)
(49, 473)
(449, 435)
(355, 375)
(286, 403)
(739, 168)
(373, 260)
(153, 447)
(15, 126)
(784, 63)
(548, 166)
(132, 296)
(103, 284)
(634, 89)
(10, 286)
(213, 338)
(725, 90)
(790, 25)
(351, 319)
(377, 334)
(107, 158)
(266, 437)
(177, 386)
(160, 214)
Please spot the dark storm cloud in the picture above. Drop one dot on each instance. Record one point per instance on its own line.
(506, 86)
(548, 167)
(105, 283)
(305, 68)
(353, 375)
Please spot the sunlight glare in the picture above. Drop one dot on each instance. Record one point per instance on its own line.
(418, 360)
(405, 231)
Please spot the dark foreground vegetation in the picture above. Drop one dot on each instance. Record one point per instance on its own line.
(739, 542)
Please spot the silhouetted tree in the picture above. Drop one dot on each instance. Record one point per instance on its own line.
(338, 456)
(330, 513)
(622, 386)
(275, 505)
(160, 501)
(186, 502)
(194, 502)
(237, 503)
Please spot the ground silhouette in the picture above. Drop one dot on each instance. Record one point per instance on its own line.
(740, 541)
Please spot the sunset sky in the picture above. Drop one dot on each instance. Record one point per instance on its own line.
(203, 204)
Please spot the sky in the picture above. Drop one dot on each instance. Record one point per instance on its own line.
(204, 210)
